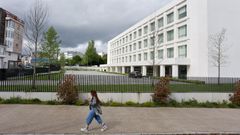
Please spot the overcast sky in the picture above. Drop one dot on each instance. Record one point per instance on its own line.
(78, 21)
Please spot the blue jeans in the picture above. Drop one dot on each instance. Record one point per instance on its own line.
(92, 115)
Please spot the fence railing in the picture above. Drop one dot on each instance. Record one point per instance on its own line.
(115, 84)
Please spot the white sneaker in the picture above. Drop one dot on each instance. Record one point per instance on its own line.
(104, 128)
(84, 129)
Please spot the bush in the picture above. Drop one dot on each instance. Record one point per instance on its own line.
(13, 100)
(162, 91)
(148, 104)
(235, 98)
(80, 102)
(1, 100)
(67, 91)
(130, 103)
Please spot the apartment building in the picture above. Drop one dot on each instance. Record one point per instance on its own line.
(174, 40)
(11, 39)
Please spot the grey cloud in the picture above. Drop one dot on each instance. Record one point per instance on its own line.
(78, 21)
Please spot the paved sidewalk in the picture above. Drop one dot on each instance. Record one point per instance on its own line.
(42, 119)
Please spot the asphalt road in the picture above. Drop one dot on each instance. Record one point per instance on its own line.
(42, 119)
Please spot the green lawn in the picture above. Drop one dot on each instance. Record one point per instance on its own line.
(51, 76)
(128, 88)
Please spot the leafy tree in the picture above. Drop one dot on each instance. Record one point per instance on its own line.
(76, 60)
(50, 48)
(91, 57)
(104, 58)
(62, 60)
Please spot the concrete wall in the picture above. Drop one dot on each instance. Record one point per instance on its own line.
(123, 97)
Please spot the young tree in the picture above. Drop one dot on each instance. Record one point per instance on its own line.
(91, 57)
(62, 60)
(35, 24)
(50, 48)
(76, 60)
(218, 50)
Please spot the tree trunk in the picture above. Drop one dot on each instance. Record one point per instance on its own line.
(34, 68)
(219, 74)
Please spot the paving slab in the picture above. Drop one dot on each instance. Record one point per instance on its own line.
(61, 119)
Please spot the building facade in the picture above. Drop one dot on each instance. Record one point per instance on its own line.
(11, 39)
(174, 41)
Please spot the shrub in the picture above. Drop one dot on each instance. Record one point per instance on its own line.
(130, 103)
(235, 98)
(52, 102)
(67, 91)
(80, 102)
(148, 104)
(13, 100)
(162, 91)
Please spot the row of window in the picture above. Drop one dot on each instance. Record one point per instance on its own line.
(182, 12)
(10, 23)
(182, 32)
(9, 44)
(9, 34)
(182, 53)
(2, 50)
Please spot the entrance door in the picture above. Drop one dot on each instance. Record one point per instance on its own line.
(139, 69)
(182, 72)
(168, 71)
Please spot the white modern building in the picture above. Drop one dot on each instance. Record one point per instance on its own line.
(175, 39)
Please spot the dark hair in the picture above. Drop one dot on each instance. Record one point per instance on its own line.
(94, 94)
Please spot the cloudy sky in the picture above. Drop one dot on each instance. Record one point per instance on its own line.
(78, 21)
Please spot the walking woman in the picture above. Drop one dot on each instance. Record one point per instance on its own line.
(95, 112)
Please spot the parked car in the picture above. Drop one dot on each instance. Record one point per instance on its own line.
(135, 74)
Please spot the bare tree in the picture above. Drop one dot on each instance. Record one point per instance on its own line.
(35, 24)
(217, 50)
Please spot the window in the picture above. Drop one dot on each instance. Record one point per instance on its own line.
(160, 38)
(160, 22)
(134, 46)
(152, 55)
(139, 45)
(130, 58)
(170, 18)
(145, 43)
(152, 26)
(130, 37)
(123, 50)
(170, 52)
(140, 32)
(152, 39)
(126, 38)
(182, 51)
(2, 51)
(123, 40)
(126, 49)
(160, 54)
(170, 35)
(182, 31)
(182, 12)
(130, 48)
(139, 57)
(145, 29)
(126, 59)
(134, 58)
(145, 56)
(135, 34)
(122, 59)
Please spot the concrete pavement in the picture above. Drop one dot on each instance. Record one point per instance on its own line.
(44, 119)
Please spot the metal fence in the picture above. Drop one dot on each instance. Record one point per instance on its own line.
(118, 83)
